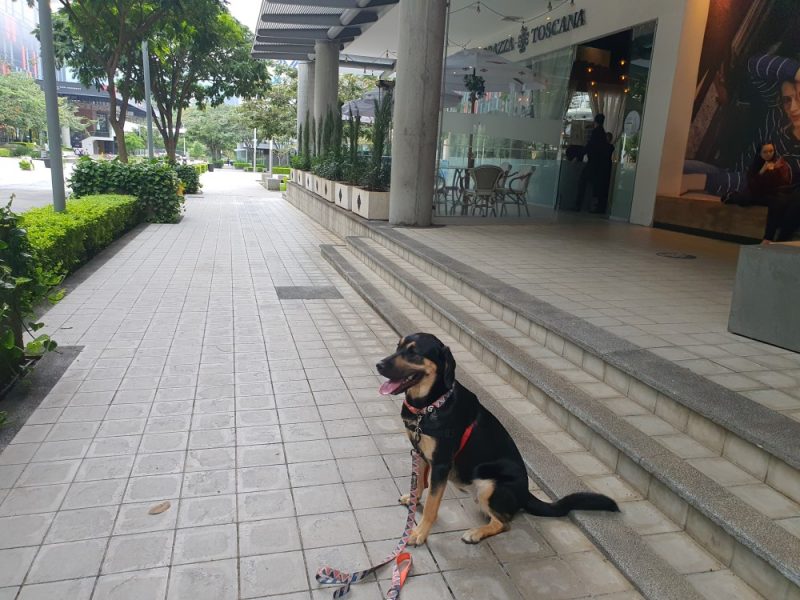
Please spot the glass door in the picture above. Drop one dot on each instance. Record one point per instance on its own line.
(626, 153)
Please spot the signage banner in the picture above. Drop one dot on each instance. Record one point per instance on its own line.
(539, 33)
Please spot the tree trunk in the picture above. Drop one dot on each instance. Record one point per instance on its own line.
(119, 133)
(170, 144)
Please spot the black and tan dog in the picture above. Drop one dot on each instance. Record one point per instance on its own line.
(463, 442)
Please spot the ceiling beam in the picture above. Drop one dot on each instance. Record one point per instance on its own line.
(340, 3)
(306, 34)
(318, 20)
(281, 56)
(268, 39)
(286, 48)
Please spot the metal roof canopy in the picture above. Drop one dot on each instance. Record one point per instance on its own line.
(288, 29)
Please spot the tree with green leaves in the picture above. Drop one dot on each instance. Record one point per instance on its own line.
(353, 87)
(218, 128)
(273, 110)
(101, 41)
(22, 107)
(199, 57)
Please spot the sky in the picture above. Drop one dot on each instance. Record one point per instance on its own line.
(245, 11)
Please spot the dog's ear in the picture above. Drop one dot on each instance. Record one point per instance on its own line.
(448, 368)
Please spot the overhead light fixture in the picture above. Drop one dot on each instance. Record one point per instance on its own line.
(478, 7)
(549, 6)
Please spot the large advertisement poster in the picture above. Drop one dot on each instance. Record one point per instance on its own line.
(748, 91)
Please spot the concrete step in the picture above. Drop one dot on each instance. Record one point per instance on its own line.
(765, 499)
(738, 535)
(659, 559)
(761, 441)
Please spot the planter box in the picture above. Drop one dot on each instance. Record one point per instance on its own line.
(341, 195)
(370, 205)
(291, 174)
(323, 187)
(308, 181)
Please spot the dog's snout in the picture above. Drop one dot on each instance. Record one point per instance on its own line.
(381, 366)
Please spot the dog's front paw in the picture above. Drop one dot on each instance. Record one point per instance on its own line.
(417, 537)
(473, 536)
(405, 499)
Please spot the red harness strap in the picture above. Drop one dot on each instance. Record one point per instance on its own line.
(464, 439)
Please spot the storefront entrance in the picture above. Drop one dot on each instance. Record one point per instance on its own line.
(523, 126)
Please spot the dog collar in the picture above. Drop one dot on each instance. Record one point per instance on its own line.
(431, 407)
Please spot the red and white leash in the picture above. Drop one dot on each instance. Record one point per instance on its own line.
(402, 560)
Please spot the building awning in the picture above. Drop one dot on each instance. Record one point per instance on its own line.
(288, 29)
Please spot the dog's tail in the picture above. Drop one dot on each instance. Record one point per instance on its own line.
(579, 501)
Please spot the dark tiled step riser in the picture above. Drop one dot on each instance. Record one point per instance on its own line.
(737, 556)
(763, 466)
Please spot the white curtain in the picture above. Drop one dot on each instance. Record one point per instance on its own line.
(553, 69)
(609, 100)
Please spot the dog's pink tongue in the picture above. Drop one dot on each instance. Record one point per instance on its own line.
(390, 386)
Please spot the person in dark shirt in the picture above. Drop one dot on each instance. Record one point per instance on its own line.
(593, 172)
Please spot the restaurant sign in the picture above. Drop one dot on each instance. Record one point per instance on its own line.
(537, 34)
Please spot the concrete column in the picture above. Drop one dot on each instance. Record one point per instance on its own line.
(417, 95)
(65, 136)
(305, 94)
(326, 79)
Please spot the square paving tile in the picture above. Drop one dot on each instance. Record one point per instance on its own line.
(272, 574)
(69, 560)
(150, 584)
(138, 551)
(199, 544)
(269, 536)
(217, 580)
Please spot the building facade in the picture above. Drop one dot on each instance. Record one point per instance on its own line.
(685, 99)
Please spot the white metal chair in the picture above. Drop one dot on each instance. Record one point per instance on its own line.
(516, 192)
(484, 194)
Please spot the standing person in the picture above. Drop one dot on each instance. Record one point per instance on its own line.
(595, 151)
(605, 166)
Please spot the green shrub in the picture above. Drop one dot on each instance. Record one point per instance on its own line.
(23, 285)
(260, 169)
(61, 242)
(189, 176)
(201, 168)
(248, 168)
(281, 170)
(5, 153)
(154, 183)
(219, 164)
(18, 150)
(283, 185)
(241, 164)
(25, 164)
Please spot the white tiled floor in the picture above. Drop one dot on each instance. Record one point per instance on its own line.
(611, 275)
(257, 419)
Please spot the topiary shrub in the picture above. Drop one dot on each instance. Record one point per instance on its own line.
(154, 183)
(281, 170)
(190, 177)
(5, 153)
(61, 242)
(26, 164)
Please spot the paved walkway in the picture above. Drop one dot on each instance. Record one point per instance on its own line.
(257, 418)
(612, 276)
(30, 188)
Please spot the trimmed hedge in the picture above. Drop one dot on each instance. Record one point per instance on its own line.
(190, 177)
(61, 242)
(154, 183)
(5, 153)
(281, 170)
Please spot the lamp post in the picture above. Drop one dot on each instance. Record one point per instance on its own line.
(147, 101)
(254, 149)
(51, 104)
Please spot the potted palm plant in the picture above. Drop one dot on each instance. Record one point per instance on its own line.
(371, 199)
(349, 164)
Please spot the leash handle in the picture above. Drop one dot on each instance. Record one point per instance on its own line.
(402, 560)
